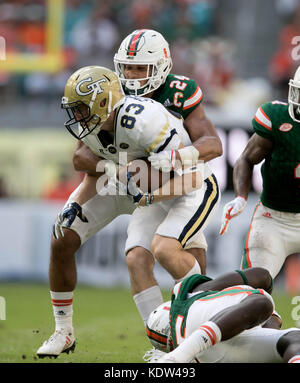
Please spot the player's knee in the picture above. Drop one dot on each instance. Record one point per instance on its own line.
(267, 305)
(66, 245)
(139, 258)
(160, 250)
(289, 342)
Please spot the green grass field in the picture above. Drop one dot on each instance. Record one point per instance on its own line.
(107, 325)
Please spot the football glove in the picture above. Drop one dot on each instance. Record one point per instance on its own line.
(67, 217)
(133, 189)
(231, 210)
(165, 161)
(136, 193)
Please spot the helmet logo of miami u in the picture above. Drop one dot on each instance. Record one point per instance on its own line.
(93, 87)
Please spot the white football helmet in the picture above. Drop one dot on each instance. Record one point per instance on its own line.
(294, 96)
(158, 328)
(143, 47)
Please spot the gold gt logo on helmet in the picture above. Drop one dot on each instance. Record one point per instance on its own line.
(93, 87)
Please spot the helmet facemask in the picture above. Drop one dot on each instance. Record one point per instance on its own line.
(80, 123)
(294, 100)
(134, 87)
(294, 96)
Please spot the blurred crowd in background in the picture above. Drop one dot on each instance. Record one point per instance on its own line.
(238, 51)
(94, 29)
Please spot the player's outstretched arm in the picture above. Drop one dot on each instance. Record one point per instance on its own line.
(256, 150)
(256, 277)
(173, 188)
(178, 186)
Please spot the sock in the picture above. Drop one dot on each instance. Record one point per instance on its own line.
(294, 359)
(63, 309)
(206, 336)
(194, 270)
(148, 300)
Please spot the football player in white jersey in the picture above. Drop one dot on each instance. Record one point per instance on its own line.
(143, 64)
(221, 321)
(119, 127)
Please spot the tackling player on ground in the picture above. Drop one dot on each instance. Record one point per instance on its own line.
(221, 321)
(143, 65)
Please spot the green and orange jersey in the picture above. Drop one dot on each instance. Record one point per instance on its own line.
(183, 298)
(281, 168)
(180, 94)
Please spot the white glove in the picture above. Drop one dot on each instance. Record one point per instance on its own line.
(231, 210)
(164, 161)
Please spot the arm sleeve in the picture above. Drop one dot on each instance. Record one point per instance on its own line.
(193, 96)
(262, 122)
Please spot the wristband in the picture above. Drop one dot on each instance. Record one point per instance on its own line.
(148, 198)
(242, 274)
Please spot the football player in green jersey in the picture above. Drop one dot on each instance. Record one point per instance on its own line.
(274, 230)
(221, 321)
(143, 65)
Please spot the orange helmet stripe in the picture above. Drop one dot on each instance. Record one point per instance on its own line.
(131, 51)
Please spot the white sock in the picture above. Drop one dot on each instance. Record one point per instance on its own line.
(147, 300)
(206, 336)
(63, 309)
(194, 270)
(294, 359)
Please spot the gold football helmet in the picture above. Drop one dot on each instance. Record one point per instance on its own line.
(91, 94)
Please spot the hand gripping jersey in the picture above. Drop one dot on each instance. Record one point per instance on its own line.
(281, 169)
(179, 94)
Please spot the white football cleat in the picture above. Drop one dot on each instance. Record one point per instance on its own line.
(153, 355)
(60, 341)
